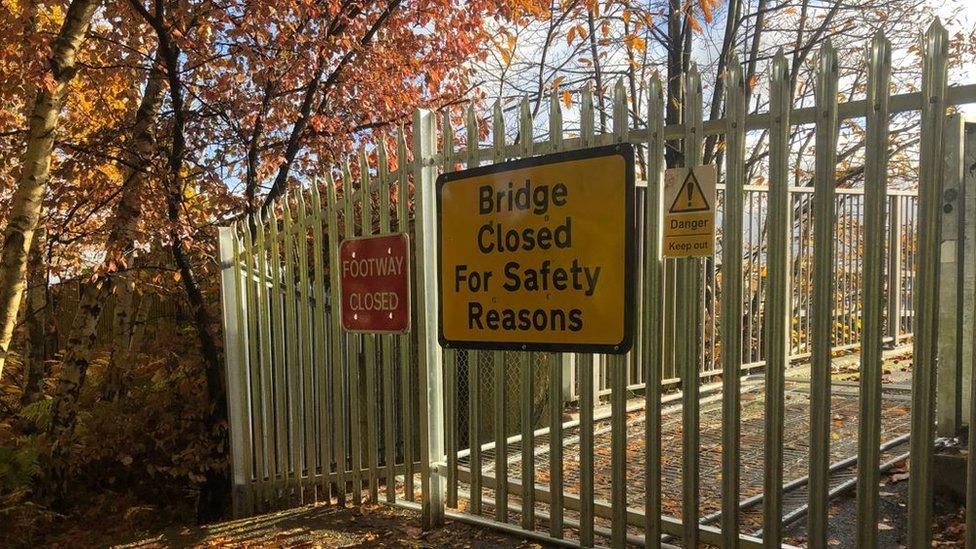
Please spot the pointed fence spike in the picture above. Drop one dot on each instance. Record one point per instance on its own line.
(555, 121)
(525, 127)
(471, 137)
(498, 131)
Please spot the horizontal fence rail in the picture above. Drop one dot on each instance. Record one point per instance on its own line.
(520, 439)
(901, 220)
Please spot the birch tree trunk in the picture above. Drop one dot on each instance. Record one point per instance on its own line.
(124, 232)
(114, 275)
(25, 206)
(36, 317)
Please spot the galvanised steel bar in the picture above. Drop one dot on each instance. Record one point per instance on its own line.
(527, 365)
(654, 323)
(749, 248)
(323, 338)
(875, 197)
(802, 481)
(555, 372)
(474, 427)
(353, 356)
(429, 357)
(824, 219)
(687, 339)
(895, 261)
(386, 340)
(293, 358)
(776, 324)
(239, 377)
(267, 369)
(406, 371)
(968, 342)
(906, 102)
(256, 414)
(304, 336)
(585, 360)
(556, 445)
(474, 358)
(672, 526)
(501, 442)
(451, 364)
(228, 250)
(528, 440)
(844, 486)
(450, 355)
(948, 416)
(369, 340)
(498, 357)
(339, 395)
(971, 462)
(935, 49)
(277, 330)
(618, 449)
(808, 273)
(585, 365)
(731, 324)
(619, 369)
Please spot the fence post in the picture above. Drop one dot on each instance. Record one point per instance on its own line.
(894, 270)
(232, 303)
(934, 76)
(949, 375)
(967, 257)
(429, 359)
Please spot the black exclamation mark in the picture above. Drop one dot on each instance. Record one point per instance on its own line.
(691, 189)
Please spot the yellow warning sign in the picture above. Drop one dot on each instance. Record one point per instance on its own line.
(689, 221)
(538, 254)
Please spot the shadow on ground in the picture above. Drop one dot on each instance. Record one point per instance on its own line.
(331, 526)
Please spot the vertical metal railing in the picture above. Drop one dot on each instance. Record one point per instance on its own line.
(321, 415)
(875, 184)
(934, 76)
(731, 323)
(687, 325)
(304, 420)
(776, 321)
(847, 320)
(825, 218)
(653, 313)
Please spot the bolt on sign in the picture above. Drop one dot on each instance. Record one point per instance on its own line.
(538, 254)
(374, 283)
(689, 215)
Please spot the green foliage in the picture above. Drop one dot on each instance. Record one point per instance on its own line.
(38, 413)
(150, 448)
(18, 465)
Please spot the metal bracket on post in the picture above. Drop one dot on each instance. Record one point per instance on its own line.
(894, 270)
(430, 360)
(235, 360)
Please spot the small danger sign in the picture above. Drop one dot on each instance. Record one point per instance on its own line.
(689, 220)
(374, 282)
(538, 254)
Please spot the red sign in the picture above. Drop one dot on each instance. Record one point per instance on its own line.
(374, 282)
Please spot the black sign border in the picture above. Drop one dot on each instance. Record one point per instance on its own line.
(626, 150)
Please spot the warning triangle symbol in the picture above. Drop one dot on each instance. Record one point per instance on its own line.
(690, 197)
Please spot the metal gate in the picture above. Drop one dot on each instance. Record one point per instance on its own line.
(523, 441)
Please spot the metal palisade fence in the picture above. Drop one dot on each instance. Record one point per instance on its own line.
(511, 438)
